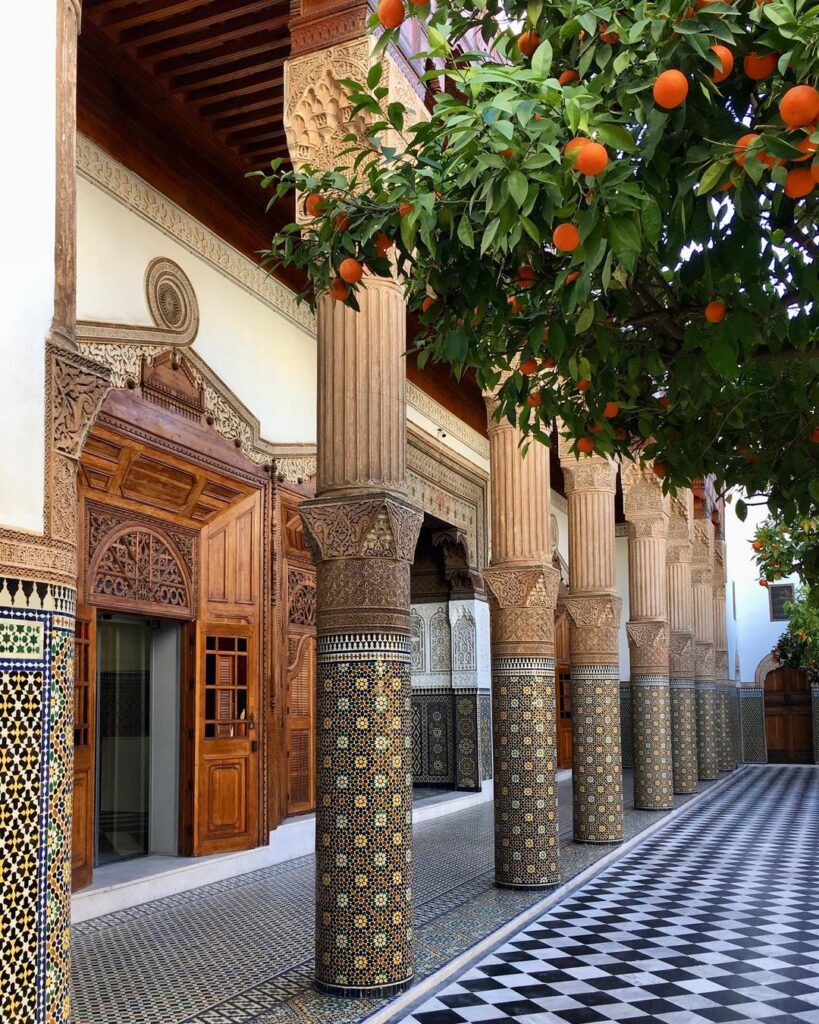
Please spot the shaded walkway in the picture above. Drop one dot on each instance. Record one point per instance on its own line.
(713, 920)
(240, 951)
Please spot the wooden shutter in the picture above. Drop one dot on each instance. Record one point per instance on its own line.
(85, 706)
(299, 733)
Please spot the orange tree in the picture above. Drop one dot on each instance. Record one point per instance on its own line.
(617, 203)
(782, 547)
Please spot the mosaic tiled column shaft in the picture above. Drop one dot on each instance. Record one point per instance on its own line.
(681, 646)
(522, 588)
(646, 510)
(701, 580)
(594, 618)
(363, 539)
(725, 754)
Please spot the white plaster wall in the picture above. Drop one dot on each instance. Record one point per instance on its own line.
(27, 212)
(268, 361)
(559, 512)
(755, 633)
(621, 579)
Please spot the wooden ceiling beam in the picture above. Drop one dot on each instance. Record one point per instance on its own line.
(195, 98)
(205, 40)
(238, 104)
(240, 136)
(240, 55)
(132, 13)
(210, 16)
(268, 113)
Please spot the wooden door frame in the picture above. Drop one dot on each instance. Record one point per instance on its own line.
(784, 712)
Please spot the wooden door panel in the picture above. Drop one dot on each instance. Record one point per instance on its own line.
(299, 732)
(788, 717)
(216, 587)
(85, 703)
(563, 700)
(225, 782)
(246, 541)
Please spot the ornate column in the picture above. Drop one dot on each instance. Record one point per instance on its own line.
(701, 581)
(681, 648)
(363, 533)
(594, 618)
(646, 510)
(725, 741)
(522, 589)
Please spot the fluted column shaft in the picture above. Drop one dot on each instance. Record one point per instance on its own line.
(682, 684)
(594, 618)
(522, 589)
(646, 510)
(701, 581)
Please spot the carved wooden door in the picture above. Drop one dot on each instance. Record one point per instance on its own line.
(299, 733)
(788, 717)
(226, 728)
(85, 705)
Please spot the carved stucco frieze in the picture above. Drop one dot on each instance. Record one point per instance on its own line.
(79, 386)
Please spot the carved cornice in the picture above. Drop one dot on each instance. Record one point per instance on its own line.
(447, 421)
(141, 198)
(326, 24)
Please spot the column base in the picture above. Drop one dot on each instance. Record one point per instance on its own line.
(535, 887)
(708, 778)
(658, 810)
(375, 992)
(598, 842)
(685, 792)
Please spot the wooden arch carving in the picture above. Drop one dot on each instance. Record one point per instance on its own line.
(138, 567)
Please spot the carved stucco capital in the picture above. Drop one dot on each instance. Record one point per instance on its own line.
(648, 643)
(377, 525)
(523, 586)
(681, 655)
(594, 621)
(78, 387)
(642, 492)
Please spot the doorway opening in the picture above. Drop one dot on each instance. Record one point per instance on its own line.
(138, 723)
(788, 717)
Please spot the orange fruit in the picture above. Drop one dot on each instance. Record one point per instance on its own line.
(757, 545)
(763, 583)
(507, 152)
(391, 13)
(591, 158)
(610, 411)
(660, 468)
(350, 270)
(814, 172)
(663, 401)
(339, 290)
(528, 42)
(548, 363)
(606, 36)
(427, 304)
(595, 428)
(383, 243)
(405, 209)
(670, 89)
(726, 59)
(314, 205)
(760, 65)
(742, 145)
(528, 366)
(534, 400)
(566, 237)
(342, 223)
(569, 75)
(799, 106)
(571, 278)
(621, 434)
(576, 143)
(527, 278)
(799, 183)
(515, 305)
(715, 312)
(815, 435)
(583, 384)
(585, 445)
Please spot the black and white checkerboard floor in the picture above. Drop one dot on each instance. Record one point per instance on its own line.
(713, 919)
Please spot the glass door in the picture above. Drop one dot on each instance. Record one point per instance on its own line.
(123, 737)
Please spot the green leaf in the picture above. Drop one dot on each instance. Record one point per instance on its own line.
(465, 233)
(518, 187)
(585, 320)
(542, 59)
(722, 353)
(616, 136)
(374, 75)
(741, 510)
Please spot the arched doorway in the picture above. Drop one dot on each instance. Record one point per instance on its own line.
(788, 717)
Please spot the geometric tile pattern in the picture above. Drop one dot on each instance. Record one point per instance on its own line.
(525, 745)
(596, 754)
(684, 734)
(626, 743)
(707, 730)
(726, 745)
(713, 919)
(814, 693)
(651, 716)
(36, 756)
(468, 755)
(485, 732)
(432, 737)
(752, 718)
(364, 819)
(241, 951)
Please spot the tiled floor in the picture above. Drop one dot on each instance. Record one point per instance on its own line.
(240, 951)
(713, 920)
